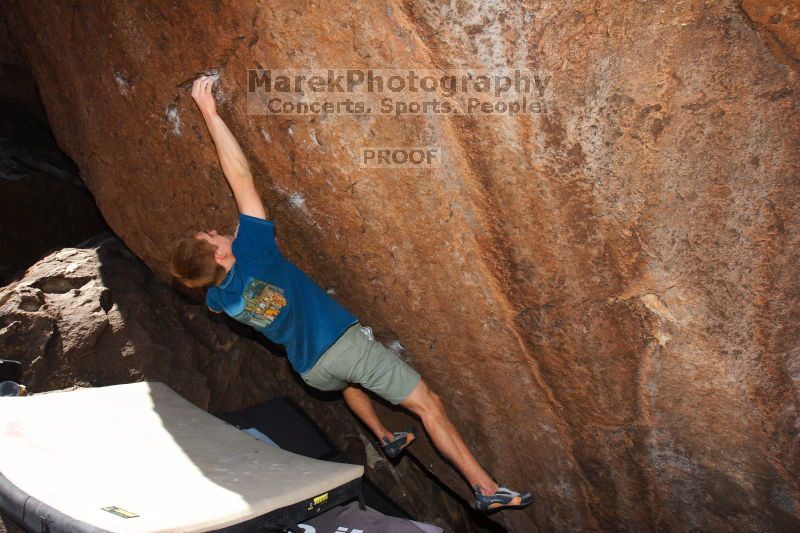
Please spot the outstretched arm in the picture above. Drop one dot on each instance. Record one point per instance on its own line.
(231, 158)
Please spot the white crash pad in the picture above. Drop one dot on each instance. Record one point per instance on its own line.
(141, 449)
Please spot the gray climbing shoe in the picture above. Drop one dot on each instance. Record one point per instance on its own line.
(9, 388)
(394, 447)
(503, 498)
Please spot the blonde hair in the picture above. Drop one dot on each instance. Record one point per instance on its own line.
(193, 264)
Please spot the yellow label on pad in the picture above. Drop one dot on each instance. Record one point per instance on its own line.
(119, 511)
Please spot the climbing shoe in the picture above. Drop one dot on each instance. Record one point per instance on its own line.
(9, 388)
(503, 498)
(394, 447)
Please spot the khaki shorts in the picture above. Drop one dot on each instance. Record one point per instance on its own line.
(358, 358)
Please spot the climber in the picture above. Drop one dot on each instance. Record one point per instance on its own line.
(249, 279)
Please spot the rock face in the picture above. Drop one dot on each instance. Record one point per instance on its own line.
(96, 315)
(44, 205)
(38, 213)
(605, 294)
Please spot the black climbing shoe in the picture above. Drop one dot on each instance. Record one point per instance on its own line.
(501, 499)
(393, 448)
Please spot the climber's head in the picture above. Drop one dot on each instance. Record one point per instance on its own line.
(201, 260)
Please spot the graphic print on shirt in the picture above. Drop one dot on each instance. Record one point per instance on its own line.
(262, 303)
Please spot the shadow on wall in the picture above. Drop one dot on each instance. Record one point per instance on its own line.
(44, 204)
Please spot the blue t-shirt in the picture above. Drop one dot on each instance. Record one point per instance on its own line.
(266, 291)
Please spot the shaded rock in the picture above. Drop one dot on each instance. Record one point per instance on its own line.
(96, 316)
(38, 213)
(44, 204)
(16, 83)
(605, 295)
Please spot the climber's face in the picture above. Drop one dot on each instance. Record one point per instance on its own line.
(222, 242)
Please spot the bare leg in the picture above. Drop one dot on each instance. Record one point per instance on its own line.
(428, 406)
(358, 402)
